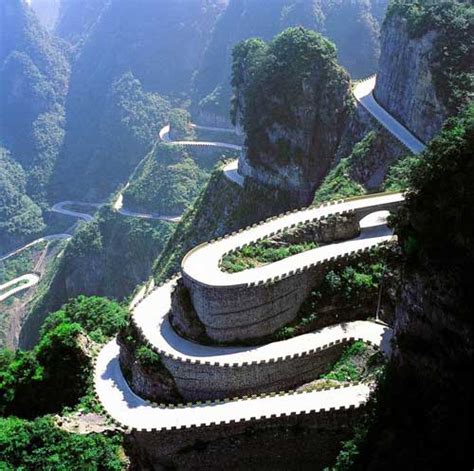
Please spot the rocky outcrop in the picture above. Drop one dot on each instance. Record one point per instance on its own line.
(405, 82)
(426, 69)
(152, 383)
(340, 21)
(294, 112)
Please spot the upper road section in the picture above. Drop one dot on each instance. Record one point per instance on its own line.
(202, 263)
(363, 92)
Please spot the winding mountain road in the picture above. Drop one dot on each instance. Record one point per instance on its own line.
(150, 316)
(230, 170)
(363, 93)
(59, 208)
(24, 282)
(118, 206)
(35, 242)
(133, 412)
(202, 263)
(150, 313)
(31, 279)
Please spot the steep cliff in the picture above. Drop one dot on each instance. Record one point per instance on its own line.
(353, 26)
(426, 69)
(423, 408)
(293, 101)
(76, 19)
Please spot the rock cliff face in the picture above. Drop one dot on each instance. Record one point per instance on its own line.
(425, 403)
(426, 69)
(405, 82)
(294, 103)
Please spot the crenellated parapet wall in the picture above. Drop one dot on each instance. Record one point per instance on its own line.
(271, 443)
(257, 310)
(258, 301)
(213, 371)
(199, 379)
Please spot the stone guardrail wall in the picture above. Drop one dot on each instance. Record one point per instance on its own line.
(197, 378)
(245, 311)
(315, 435)
(321, 411)
(204, 380)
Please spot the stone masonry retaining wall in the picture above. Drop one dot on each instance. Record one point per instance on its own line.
(312, 440)
(247, 311)
(200, 381)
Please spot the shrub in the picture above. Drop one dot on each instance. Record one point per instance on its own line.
(147, 357)
(39, 444)
(99, 317)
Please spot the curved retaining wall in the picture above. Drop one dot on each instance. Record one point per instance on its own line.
(209, 372)
(275, 443)
(251, 304)
(128, 410)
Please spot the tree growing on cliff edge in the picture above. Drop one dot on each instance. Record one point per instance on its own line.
(293, 101)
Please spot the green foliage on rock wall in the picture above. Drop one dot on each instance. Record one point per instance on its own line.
(99, 317)
(170, 178)
(451, 65)
(48, 378)
(436, 219)
(57, 372)
(340, 182)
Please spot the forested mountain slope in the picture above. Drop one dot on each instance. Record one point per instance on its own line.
(137, 53)
(75, 19)
(353, 26)
(34, 77)
(20, 217)
(34, 74)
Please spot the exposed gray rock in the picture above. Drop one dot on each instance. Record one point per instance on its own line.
(405, 82)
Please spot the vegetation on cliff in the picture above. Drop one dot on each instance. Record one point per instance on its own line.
(293, 101)
(435, 223)
(20, 218)
(54, 376)
(93, 264)
(34, 74)
(40, 444)
(170, 178)
(451, 64)
(111, 141)
(432, 362)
